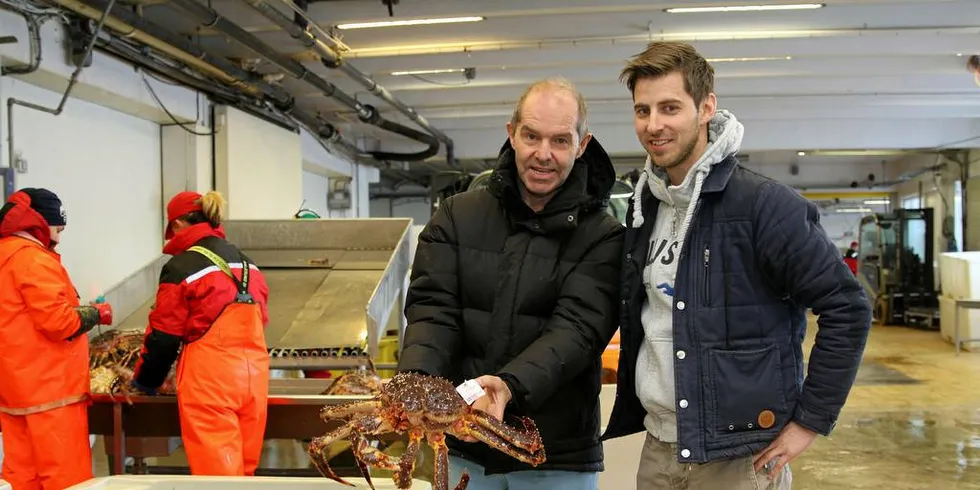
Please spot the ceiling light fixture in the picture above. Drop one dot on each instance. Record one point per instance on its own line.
(745, 8)
(427, 72)
(409, 22)
(770, 58)
(871, 202)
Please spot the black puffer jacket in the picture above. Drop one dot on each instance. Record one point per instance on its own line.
(497, 289)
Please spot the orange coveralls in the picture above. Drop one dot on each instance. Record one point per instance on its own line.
(44, 375)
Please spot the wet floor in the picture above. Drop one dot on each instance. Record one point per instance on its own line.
(912, 422)
(919, 433)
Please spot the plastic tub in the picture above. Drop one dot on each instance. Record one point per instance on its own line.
(184, 482)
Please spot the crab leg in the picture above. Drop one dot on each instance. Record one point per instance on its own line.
(440, 478)
(403, 477)
(529, 439)
(319, 444)
(532, 457)
(340, 411)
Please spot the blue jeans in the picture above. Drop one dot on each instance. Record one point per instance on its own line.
(520, 480)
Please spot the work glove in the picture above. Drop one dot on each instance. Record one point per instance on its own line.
(92, 315)
(105, 313)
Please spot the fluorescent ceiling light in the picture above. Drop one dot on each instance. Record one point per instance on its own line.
(744, 8)
(771, 58)
(426, 72)
(409, 22)
(853, 210)
(876, 201)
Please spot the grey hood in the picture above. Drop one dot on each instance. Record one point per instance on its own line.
(724, 139)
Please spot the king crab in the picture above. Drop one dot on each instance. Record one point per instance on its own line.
(364, 381)
(424, 407)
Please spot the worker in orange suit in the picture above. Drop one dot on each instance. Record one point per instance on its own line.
(44, 376)
(211, 310)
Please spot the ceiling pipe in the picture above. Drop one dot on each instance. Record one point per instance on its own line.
(331, 59)
(366, 113)
(131, 26)
(134, 28)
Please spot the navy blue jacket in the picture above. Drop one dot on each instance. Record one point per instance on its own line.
(755, 258)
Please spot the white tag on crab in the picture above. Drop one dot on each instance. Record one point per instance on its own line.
(470, 390)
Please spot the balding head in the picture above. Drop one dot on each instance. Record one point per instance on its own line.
(556, 86)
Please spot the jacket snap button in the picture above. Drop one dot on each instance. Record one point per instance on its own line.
(750, 425)
(686, 453)
(683, 403)
(731, 427)
(571, 218)
(680, 305)
(629, 257)
(681, 354)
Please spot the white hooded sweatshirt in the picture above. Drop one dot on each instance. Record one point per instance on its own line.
(655, 365)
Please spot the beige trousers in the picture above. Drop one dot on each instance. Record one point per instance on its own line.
(659, 469)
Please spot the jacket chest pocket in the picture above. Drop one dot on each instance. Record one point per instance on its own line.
(746, 390)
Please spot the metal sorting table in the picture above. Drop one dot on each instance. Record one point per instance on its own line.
(333, 286)
(967, 304)
(294, 410)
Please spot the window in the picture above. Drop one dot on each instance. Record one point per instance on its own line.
(911, 202)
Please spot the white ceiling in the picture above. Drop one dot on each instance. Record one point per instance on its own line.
(868, 74)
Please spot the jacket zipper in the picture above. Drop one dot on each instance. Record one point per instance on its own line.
(707, 277)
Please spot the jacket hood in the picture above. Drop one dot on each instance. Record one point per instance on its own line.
(588, 185)
(17, 215)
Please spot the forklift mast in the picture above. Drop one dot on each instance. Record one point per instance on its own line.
(895, 265)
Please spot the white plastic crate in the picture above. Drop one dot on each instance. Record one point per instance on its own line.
(184, 482)
(959, 273)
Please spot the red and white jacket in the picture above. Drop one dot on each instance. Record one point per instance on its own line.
(192, 294)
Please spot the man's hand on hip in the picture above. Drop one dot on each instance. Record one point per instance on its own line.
(494, 402)
(790, 443)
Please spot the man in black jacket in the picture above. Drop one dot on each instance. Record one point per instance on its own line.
(515, 286)
(720, 267)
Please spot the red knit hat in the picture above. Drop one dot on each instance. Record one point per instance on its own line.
(179, 206)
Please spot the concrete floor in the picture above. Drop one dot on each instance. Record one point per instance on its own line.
(912, 422)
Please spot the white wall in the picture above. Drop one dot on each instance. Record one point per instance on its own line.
(417, 208)
(105, 166)
(315, 188)
(817, 174)
(258, 166)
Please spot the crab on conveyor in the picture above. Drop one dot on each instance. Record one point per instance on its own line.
(424, 407)
(364, 381)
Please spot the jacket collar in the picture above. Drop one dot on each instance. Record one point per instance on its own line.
(717, 180)
(187, 237)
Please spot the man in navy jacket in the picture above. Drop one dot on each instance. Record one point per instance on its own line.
(720, 266)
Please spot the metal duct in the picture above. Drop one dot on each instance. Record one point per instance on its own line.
(366, 113)
(131, 26)
(331, 59)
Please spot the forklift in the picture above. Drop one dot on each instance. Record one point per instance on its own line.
(895, 266)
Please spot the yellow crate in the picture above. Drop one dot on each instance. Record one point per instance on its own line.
(387, 353)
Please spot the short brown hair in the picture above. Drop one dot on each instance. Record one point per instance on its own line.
(581, 125)
(663, 58)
